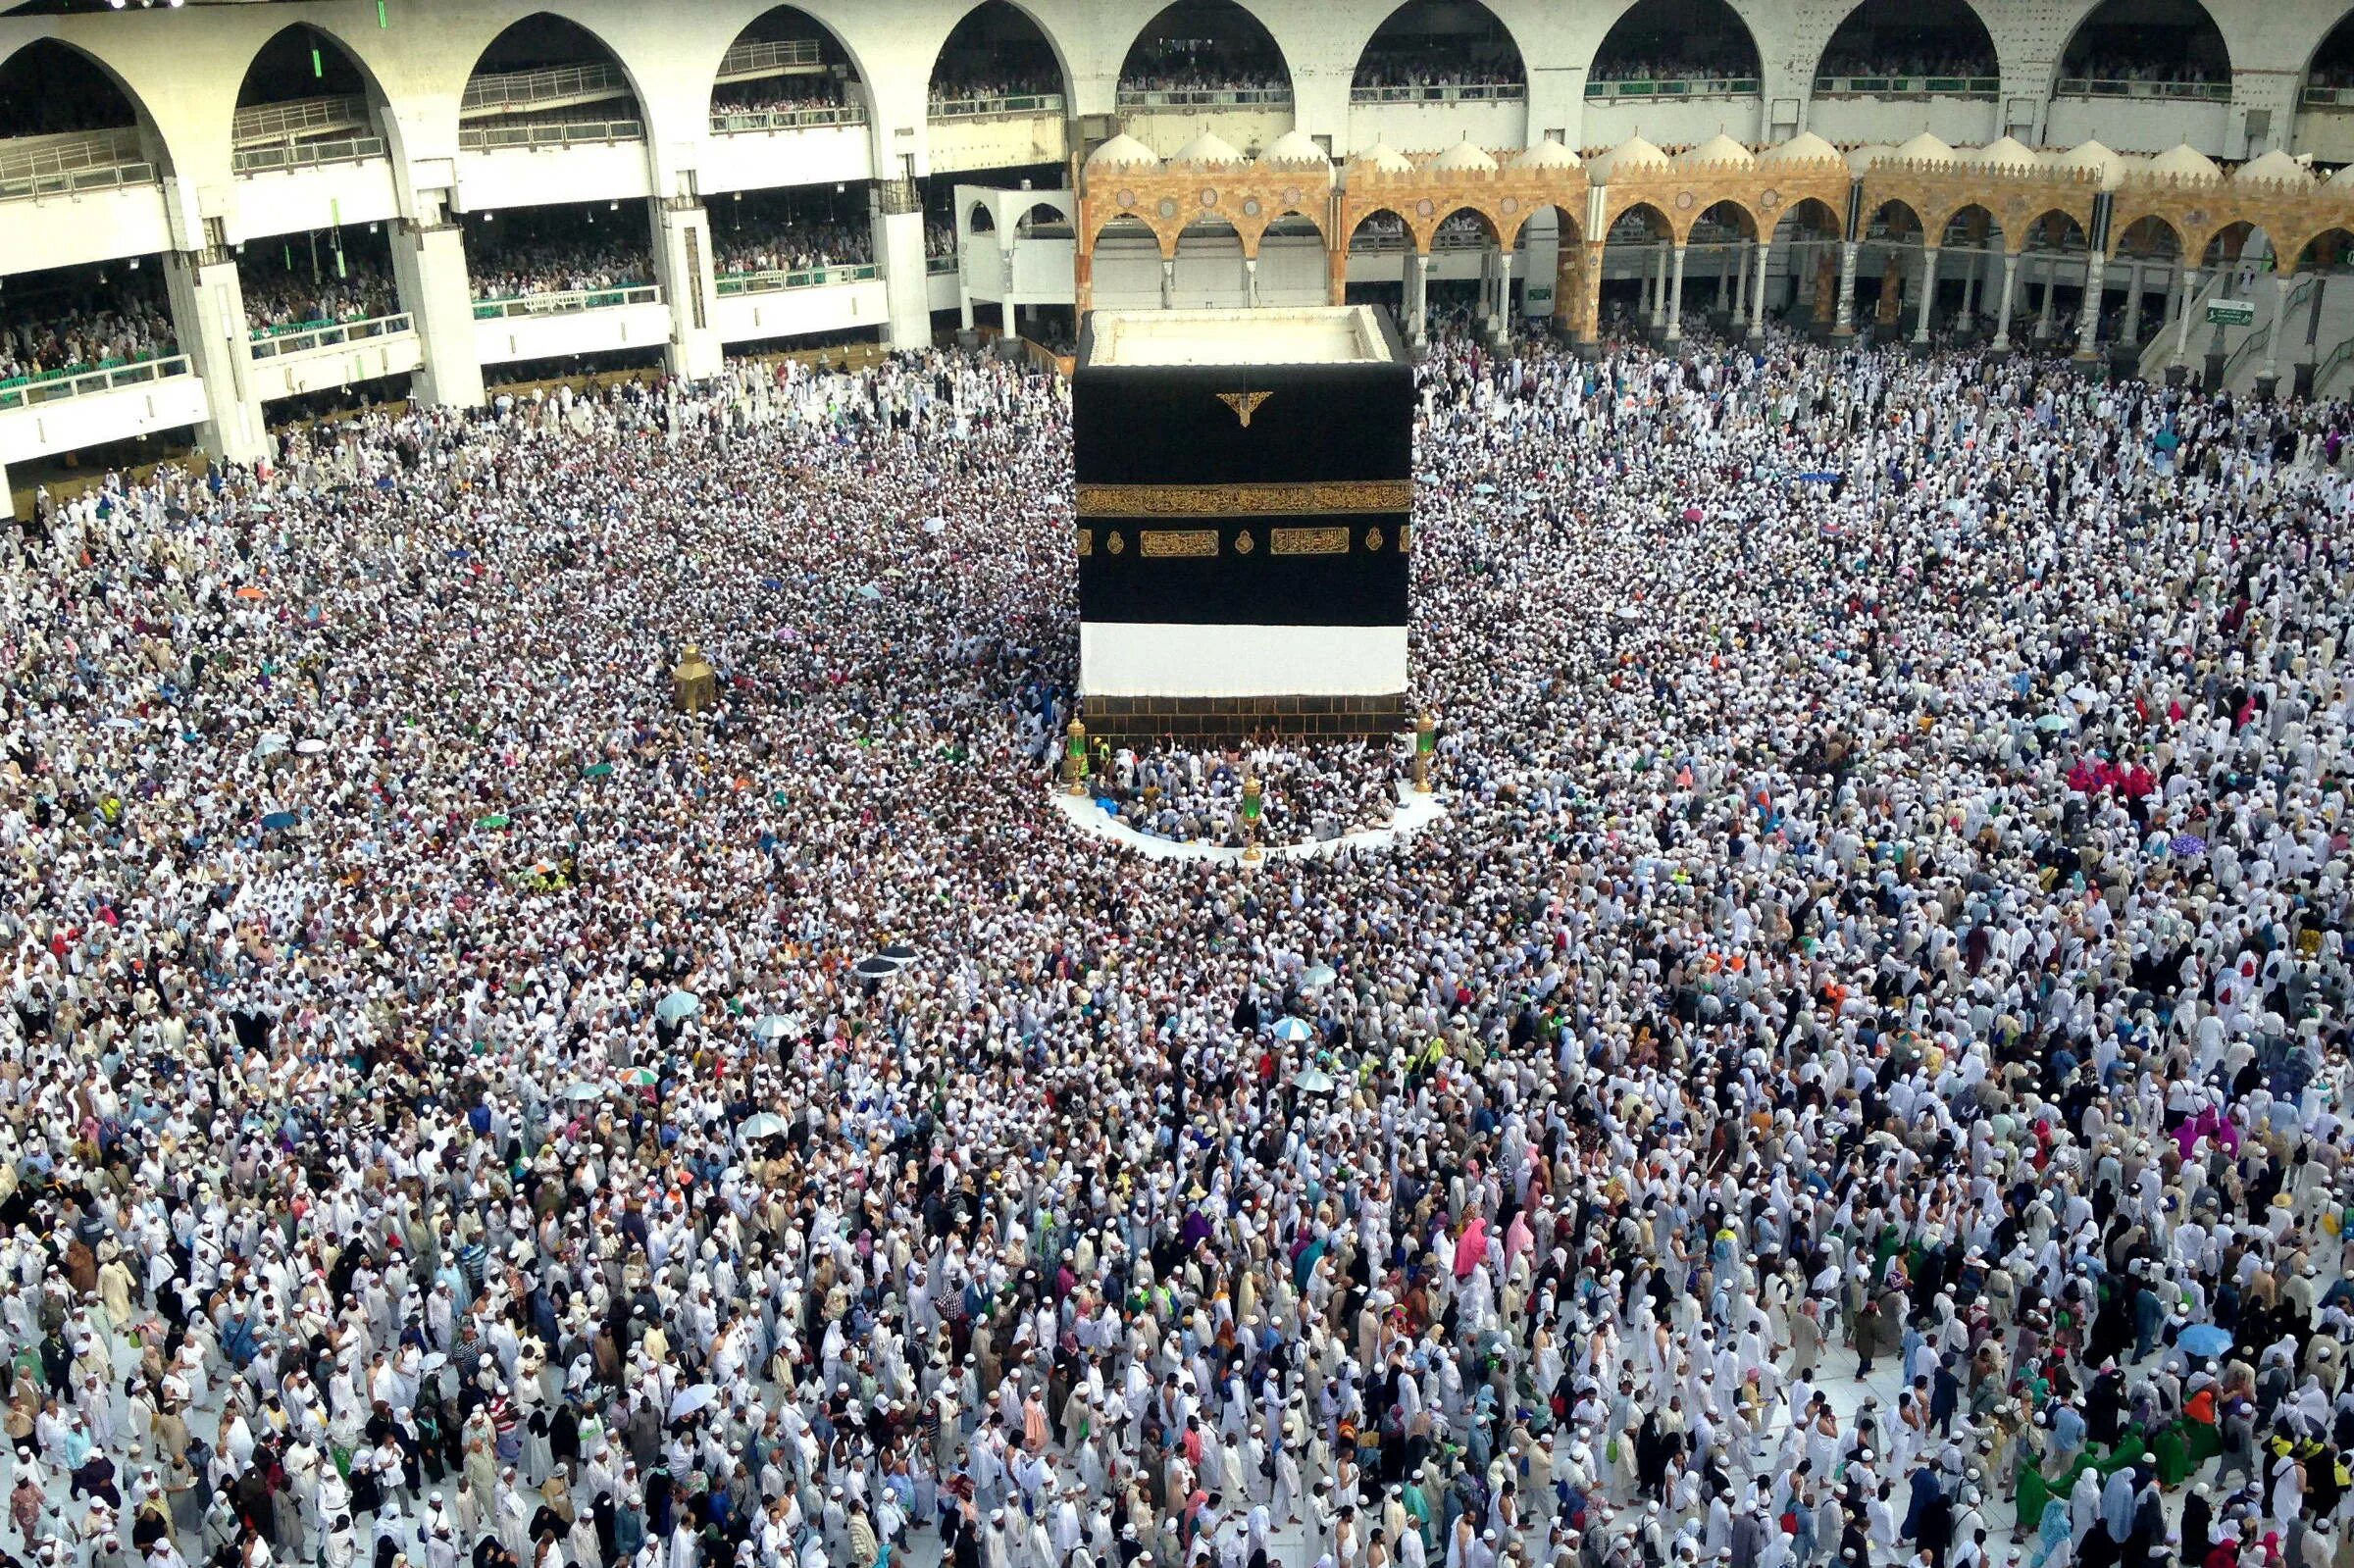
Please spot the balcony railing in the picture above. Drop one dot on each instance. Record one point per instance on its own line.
(757, 55)
(276, 342)
(1390, 245)
(1908, 87)
(1204, 98)
(734, 121)
(1026, 103)
(769, 282)
(1675, 87)
(32, 392)
(282, 121)
(520, 89)
(307, 154)
(52, 166)
(2100, 87)
(553, 134)
(1443, 92)
(566, 302)
(934, 266)
(2317, 97)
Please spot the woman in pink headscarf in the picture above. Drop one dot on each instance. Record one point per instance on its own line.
(1470, 1246)
(1516, 1240)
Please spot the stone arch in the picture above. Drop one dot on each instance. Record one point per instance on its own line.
(1054, 211)
(1686, 18)
(2038, 227)
(1367, 55)
(1374, 215)
(1938, 231)
(2143, 226)
(383, 108)
(2325, 249)
(1571, 223)
(828, 39)
(1878, 208)
(978, 221)
(984, 13)
(1863, 16)
(639, 99)
(2198, 28)
(1252, 32)
(142, 119)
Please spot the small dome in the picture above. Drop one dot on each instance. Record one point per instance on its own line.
(1208, 148)
(1294, 150)
(2107, 165)
(2004, 153)
(1462, 155)
(1123, 151)
(1548, 154)
(2182, 161)
(2343, 180)
(2274, 166)
(1629, 156)
(1927, 149)
(1386, 158)
(1864, 157)
(1717, 149)
(1803, 148)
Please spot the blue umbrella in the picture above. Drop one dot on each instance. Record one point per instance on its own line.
(2205, 1339)
(279, 821)
(1292, 1030)
(676, 1005)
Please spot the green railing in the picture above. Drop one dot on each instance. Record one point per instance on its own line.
(31, 392)
(730, 122)
(1031, 103)
(283, 122)
(770, 282)
(1675, 87)
(2327, 97)
(566, 301)
(307, 154)
(99, 160)
(934, 266)
(2103, 88)
(276, 342)
(1204, 98)
(553, 134)
(1451, 92)
(1908, 87)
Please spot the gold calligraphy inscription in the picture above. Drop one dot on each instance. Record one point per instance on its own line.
(1167, 544)
(1307, 542)
(1311, 498)
(1087, 541)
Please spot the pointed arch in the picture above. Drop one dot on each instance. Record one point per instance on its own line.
(539, 42)
(47, 111)
(785, 49)
(1691, 39)
(999, 37)
(1910, 38)
(1194, 43)
(1489, 50)
(305, 63)
(2165, 40)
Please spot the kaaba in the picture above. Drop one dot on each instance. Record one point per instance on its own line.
(1245, 484)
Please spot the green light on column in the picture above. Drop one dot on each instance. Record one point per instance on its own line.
(318, 66)
(380, 15)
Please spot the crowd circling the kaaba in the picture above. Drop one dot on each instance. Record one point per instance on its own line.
(1856, 1078)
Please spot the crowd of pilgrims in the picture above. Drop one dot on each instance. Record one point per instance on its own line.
(1305, 795)
(1856, 1078)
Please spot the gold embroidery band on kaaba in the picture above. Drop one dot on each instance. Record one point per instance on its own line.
(1316, 498)
(1161, 543)
(1307, 542)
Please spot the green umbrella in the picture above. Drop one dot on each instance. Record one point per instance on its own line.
(497, 819)
(597, 770)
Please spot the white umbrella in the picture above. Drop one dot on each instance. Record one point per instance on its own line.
(773, 1027)
(765, 1125)
(311, 747)
(581, 1091)
(1317, 975)
(1292, 1030)
(1313, 1080)
(687, 1401)
(676, 1005)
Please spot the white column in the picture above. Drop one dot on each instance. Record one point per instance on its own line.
(898, 221)
(1845, 325)
(1756, 313)
(2088, 328)
(2272, 342)
(1418, 307)
(964, 306)
(1676, 300)
(1928, 292)
(428, 263)
(1503, 290)
(1741, 249)
(2190, 291)
(1969, 285)
(683, 267)
(1169, 282)
(208, 313)
(2051, 280)
(2131, 333)
(1250, 282)
(2001, 325)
